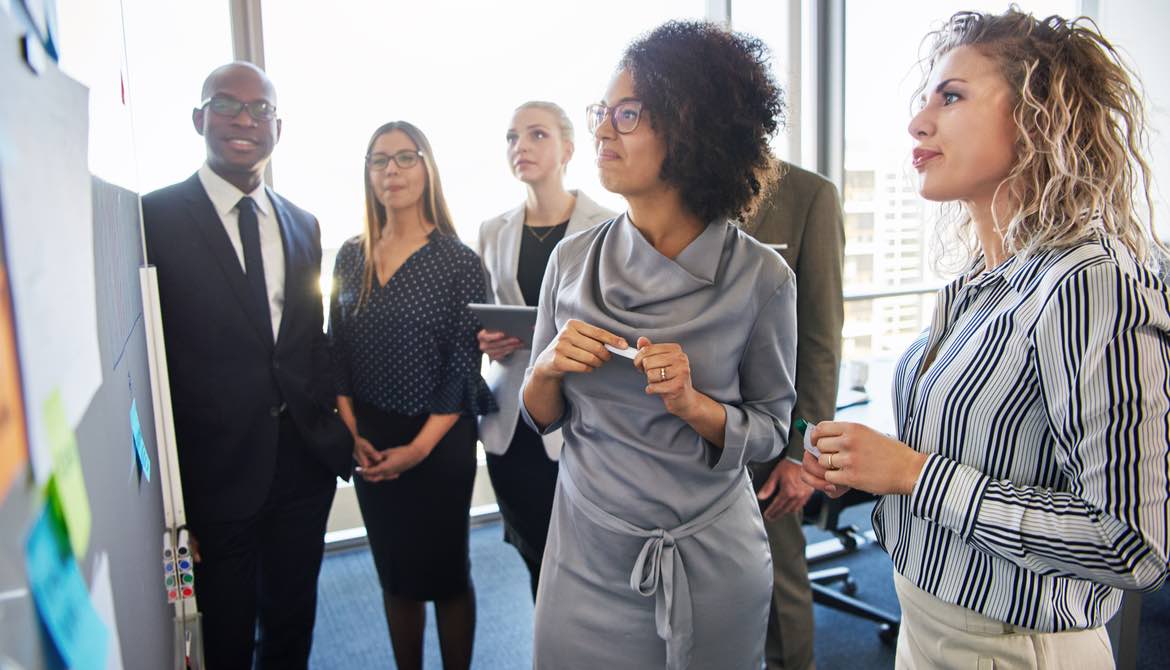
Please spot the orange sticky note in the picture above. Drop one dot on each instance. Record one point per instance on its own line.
(13, 439)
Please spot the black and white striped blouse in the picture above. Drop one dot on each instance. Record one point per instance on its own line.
(1046, 413)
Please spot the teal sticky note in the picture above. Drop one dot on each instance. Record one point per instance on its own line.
(61, 596)
(139, 443)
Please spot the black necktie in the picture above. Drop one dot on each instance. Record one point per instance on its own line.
(253, 260)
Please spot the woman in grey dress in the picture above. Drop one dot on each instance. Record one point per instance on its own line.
(656, 555)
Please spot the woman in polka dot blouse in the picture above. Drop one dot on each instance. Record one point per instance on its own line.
(408, 387)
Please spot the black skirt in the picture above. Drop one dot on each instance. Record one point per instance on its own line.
(417, 525)
(524, 479)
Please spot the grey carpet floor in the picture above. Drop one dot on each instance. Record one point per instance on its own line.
(351, 630)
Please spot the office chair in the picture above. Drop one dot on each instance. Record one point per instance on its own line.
(825, 513)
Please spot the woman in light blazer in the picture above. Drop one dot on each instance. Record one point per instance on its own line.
(515, 247)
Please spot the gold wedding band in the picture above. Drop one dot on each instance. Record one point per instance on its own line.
(831, 462)
(662, 373)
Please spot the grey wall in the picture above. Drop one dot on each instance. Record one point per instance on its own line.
(126, 510)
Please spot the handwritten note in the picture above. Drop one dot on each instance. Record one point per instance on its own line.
(61, 597)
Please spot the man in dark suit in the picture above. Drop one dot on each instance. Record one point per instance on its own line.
(259, 442)
(803, 213)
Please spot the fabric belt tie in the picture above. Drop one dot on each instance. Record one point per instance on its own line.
(659, 570)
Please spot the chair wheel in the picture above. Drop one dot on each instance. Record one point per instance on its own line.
(888, 634)
(849, 587)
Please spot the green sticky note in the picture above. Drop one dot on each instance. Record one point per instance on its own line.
(67, 485)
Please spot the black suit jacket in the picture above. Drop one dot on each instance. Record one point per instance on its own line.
(229, 379)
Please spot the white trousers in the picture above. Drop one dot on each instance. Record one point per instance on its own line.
(937, 634)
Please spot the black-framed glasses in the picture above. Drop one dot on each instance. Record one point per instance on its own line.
(405, 159)
(625, 116)
(224, 105)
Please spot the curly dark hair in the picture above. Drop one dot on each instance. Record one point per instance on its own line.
(713, 100)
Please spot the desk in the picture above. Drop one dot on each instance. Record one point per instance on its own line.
(878, 412)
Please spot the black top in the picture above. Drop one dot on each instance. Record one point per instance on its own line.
(536, 246)
(411, 347)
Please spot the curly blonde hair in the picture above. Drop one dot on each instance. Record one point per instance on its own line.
(1081, 140)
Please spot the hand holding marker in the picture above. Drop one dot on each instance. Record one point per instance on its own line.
(805, 431)
(628, 352)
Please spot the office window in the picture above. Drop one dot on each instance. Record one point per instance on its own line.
(859, 228)
(858, 270)
(454, 69)
(161, 74)
(858, 185)
(881, 73)
(769, 21)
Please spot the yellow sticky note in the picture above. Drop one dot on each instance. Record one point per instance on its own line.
(67, 486)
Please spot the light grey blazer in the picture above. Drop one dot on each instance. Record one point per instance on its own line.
(499, 247)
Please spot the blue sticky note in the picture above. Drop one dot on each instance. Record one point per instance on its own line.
(61, 596)
(139, 443)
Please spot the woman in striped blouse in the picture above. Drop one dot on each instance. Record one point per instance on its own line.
(1028, 483)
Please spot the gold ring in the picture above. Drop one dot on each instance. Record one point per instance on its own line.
(662, 373)
(831, 462)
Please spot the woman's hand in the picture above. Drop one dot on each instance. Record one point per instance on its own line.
(857, 456)
(579, 347)
(813, 474)
(393, 462)
(365, 453)
(497, 344)
(668, 375)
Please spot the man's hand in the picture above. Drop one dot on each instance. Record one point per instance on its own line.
(787, 490)
(193, 545)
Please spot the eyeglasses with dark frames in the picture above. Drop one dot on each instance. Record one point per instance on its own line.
(227, 106)
(624, 115)
(405, 159)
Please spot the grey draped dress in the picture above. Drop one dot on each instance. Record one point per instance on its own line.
(657, 556)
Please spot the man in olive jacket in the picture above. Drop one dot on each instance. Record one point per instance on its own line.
(804, 213)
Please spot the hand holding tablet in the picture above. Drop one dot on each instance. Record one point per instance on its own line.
(516, 320)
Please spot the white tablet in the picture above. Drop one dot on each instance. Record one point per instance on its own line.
(516, 320)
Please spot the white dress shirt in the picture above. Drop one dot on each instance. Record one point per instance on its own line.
(1044, 411)
(225, 197)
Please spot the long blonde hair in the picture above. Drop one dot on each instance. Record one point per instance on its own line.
(1081, 132)
(435, 208)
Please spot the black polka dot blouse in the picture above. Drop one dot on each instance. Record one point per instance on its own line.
(411, 347)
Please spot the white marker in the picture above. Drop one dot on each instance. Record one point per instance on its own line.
(806, 431)
(628, 352)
